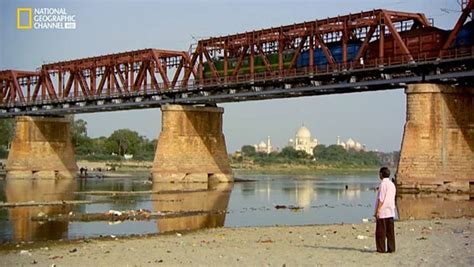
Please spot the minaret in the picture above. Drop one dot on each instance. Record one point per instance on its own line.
(338, 142)
(269, 145)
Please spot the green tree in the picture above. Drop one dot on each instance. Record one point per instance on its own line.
(80, 140)
(146, 149)
(319, 151)
(291, 153)
(7, 132)
(79, 129)
(123, 141)
(99, 146)
(248, 151)
(334, 153)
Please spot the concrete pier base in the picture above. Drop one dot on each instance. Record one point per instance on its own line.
(41, 149)
(191, 146)
(437, 151)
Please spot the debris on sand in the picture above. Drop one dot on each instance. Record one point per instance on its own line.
(115, 212)
(25, 252)
(290, 207)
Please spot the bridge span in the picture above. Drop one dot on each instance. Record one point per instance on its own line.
(365, 51)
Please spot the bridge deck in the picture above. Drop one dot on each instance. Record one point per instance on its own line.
(297, 83)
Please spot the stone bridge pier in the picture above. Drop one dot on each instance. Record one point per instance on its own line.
(437, 152)
(41, 149)
(191, 146)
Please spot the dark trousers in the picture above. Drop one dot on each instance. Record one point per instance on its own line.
(384, 229)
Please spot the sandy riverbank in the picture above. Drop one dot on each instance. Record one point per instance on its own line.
(425, 243)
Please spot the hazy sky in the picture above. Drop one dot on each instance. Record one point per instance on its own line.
(375, 119)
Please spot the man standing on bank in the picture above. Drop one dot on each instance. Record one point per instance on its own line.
(385, 213)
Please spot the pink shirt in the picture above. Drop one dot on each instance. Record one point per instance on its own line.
(386, 195)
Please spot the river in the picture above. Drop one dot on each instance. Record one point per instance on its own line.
(264, 201)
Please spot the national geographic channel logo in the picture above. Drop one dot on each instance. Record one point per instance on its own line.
(28, 18)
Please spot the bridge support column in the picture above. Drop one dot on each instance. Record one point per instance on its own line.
(437, 151)
(191, 146)
(41, 149)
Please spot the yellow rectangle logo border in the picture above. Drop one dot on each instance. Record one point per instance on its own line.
(28, 10)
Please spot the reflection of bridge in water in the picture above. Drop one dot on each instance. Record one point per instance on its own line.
(366, 51)
(24, 229)
(429, 206)
(184, 208)
(186, 199)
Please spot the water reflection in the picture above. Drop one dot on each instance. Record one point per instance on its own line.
(196, 205)
(428, 206)
(302, 193)
(23, 228)
(325, 200)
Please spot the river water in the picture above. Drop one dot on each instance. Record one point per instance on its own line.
(301, 200)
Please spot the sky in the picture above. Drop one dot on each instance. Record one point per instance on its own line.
(110, 26)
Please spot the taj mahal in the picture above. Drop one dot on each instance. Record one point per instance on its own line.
(303, 141)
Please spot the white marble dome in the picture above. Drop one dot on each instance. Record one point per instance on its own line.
(303, 132)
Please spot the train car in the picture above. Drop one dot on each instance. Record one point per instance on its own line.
(301, 62)
(320, 59)
(259, 65)
(465, 36)
(423, 43)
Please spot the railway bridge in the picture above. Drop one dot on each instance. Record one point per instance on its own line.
(366, 51)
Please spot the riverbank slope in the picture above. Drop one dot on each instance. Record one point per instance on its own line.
(419, 243)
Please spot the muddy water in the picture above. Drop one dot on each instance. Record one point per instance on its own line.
(301, 200)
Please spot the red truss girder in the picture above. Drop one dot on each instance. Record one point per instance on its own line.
(122, 73)
(147, 70)
(363, 26)
(14, 84)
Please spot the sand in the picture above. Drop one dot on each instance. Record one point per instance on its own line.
(419, 243)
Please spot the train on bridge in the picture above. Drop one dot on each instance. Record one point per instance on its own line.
(422, 42)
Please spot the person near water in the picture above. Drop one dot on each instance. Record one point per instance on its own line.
(385, 213)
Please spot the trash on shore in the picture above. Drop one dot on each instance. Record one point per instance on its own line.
(365, 220)
(290, 207)
(25, 252)
(362, 237)
(115, 212)
(266, 241)
(119, 216)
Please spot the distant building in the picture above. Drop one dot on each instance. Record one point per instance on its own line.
(264, 147)
(303, 141)
(350, 144)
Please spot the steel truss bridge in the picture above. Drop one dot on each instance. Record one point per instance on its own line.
(154, 77)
